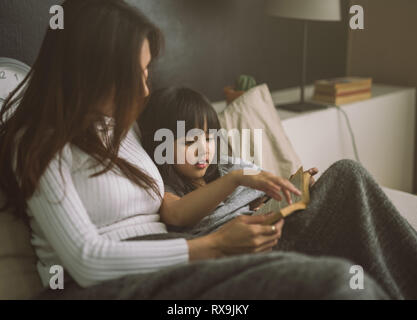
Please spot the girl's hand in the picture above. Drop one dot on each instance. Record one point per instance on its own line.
(268, 183)
(245, 234)
(312, 172)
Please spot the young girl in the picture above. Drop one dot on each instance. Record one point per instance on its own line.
(207, 189)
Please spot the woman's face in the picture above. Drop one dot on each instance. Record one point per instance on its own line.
(145, 59)
(196, 163)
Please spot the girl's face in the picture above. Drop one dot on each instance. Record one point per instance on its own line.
(194, 154)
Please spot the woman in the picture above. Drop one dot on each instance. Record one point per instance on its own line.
(71, 159)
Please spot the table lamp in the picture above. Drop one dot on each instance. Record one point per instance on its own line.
(305, 10)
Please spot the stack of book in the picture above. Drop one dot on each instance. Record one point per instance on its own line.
(342, 90)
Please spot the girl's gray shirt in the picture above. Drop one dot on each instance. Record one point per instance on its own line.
(235, 205)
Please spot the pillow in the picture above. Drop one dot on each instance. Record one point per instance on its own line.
(19, 278)
(256, 110)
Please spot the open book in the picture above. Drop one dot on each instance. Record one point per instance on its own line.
(281, 209)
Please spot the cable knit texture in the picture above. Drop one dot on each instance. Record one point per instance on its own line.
(79, 222)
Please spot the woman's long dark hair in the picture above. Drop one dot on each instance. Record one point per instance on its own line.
(164, 108)
(93, 60)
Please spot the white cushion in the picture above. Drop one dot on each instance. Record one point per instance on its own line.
(405, 203)
(256, 110)
(19, 278)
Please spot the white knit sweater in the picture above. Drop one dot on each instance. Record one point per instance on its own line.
(78, 222)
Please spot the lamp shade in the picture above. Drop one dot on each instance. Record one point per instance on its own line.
(321, 10)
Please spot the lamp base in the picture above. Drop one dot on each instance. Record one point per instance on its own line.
(302, 106)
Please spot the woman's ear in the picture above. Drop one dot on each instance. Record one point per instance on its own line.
(146, 92)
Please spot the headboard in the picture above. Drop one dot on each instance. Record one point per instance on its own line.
(208, 43)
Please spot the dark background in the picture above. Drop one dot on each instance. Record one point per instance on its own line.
(208, 42)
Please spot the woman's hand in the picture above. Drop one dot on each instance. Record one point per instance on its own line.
(268, 183)
(244, 234)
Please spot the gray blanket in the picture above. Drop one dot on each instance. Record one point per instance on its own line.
(349, 222)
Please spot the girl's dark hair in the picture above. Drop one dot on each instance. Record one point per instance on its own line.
(95, 59)
(164, 108)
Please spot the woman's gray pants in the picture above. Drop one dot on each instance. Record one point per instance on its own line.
(350, 226)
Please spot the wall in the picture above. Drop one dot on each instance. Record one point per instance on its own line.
(387, 48)
(208, 43)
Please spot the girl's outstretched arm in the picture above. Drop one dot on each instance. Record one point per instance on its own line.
(188, 210)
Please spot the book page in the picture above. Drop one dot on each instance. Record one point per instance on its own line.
(275, 206)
